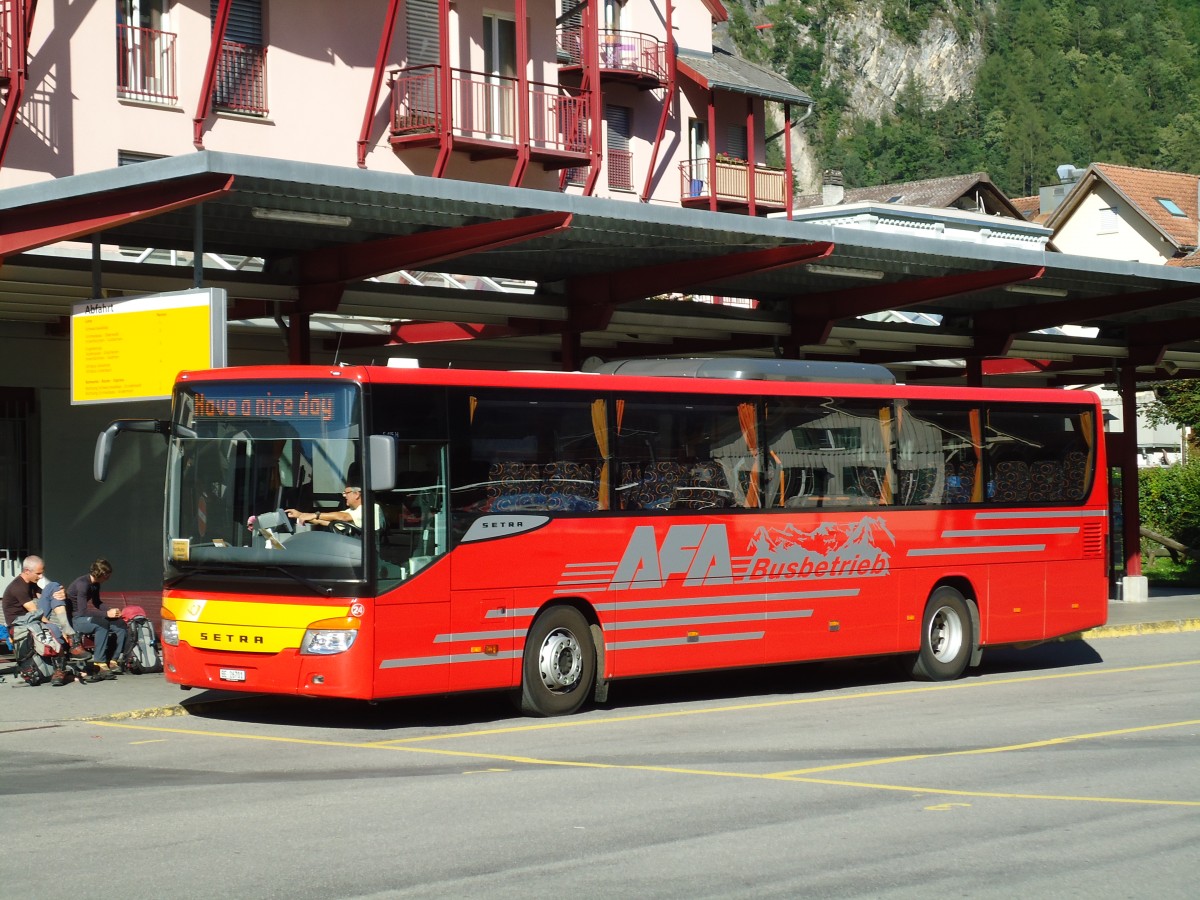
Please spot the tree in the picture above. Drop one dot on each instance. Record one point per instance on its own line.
(1177, 402)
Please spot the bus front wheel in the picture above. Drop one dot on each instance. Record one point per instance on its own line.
(559, 665)
(946, 638)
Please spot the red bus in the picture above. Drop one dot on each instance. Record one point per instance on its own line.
(548, 533)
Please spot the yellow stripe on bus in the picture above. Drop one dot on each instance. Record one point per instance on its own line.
(245, 625)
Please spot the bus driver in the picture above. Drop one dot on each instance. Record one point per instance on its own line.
(352, 515)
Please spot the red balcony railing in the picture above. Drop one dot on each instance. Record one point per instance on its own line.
(146, 64)
(416, 101)
(733, 181)
(241, 84)
(559, 119)
(6, 28)
(620, 170)
(622, 51)
(484, 107)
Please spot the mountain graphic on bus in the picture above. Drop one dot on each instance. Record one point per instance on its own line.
(830, 550)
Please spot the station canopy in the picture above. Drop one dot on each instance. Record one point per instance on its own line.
(546, 279)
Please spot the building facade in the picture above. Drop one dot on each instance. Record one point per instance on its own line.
(622, 100)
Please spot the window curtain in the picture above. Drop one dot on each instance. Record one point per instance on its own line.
(600, 429)
(748, 420)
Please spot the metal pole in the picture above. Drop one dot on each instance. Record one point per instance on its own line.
(198, 246)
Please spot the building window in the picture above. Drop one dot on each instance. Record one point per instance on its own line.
(1109, 220)
(145, 52)
(500, 68)
(241, 83)
(735, 142)
(1172, 207)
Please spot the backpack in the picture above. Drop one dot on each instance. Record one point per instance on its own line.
(39, 653)
(143, 654)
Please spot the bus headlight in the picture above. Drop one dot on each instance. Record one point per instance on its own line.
(170, 632)
(324, 642)
(330, 636)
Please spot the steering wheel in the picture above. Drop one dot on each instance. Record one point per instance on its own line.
(347, 528)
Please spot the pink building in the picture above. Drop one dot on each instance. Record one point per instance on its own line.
(592, 97)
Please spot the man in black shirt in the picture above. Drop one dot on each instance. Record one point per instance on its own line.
(88, 615)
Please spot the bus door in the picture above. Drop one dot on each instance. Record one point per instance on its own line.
(413, 606)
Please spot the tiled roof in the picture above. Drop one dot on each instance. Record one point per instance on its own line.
(1143, 187)
(1027, 206)
(1190, 261)
(938, 193)
(724, 71)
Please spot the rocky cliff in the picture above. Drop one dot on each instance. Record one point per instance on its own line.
(867, 62)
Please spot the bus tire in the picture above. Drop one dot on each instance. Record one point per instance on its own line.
(559, 664)
(946, 637)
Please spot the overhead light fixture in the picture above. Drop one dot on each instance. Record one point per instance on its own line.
(868, 274)
(1036, 290)
(300, 217)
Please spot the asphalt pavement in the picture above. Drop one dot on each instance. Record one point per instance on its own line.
(150, 696)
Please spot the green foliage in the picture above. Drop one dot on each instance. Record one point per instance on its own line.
(1177, 402)
(1062, 81)
(1170, 501)
(1164, 572)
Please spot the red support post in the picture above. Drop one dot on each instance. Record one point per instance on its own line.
(38, 225)
(789, 185)
(751, 200)
(523, 98)
(668, 100)
(1132, 516)
(22, 27)
(385, 46)
(204, 104)
(591, 62)
(712, 150)
(446, 83)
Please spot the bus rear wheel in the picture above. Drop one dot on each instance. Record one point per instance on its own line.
(946, 637)
(559, 665)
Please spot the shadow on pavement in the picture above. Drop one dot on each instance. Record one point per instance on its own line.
(742, 685)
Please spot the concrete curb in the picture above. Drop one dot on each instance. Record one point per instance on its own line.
(1172, 626)
(175, 710)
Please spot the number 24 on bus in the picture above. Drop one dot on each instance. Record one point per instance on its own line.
(548, 534)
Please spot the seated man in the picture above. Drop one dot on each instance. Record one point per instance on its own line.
(352, 514)
(52, 605)
(89, 616)
(21, 600)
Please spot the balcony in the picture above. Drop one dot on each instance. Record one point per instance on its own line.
(732, 184)
(146, 65)
(624, 55)
(483, 115)
(241, 83)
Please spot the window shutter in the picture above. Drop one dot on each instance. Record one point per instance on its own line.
(423, 45)
(618, 126)
(245, 22)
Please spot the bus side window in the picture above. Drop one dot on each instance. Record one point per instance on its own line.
(939, 454)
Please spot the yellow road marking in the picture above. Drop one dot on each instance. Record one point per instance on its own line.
(978, 751)
(803, 776)
(775, 704)
(667, 770)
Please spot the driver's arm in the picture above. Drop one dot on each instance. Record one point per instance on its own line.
(320, 518)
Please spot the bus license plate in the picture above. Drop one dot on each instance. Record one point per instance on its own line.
(233, 674)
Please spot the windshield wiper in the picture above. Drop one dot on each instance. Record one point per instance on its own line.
(316, 587)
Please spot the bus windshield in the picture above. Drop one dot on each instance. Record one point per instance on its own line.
(244, 453)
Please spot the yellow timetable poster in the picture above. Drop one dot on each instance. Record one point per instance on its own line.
(133, 349)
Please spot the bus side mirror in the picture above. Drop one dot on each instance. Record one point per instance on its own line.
(383, 462)
(104, 440)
